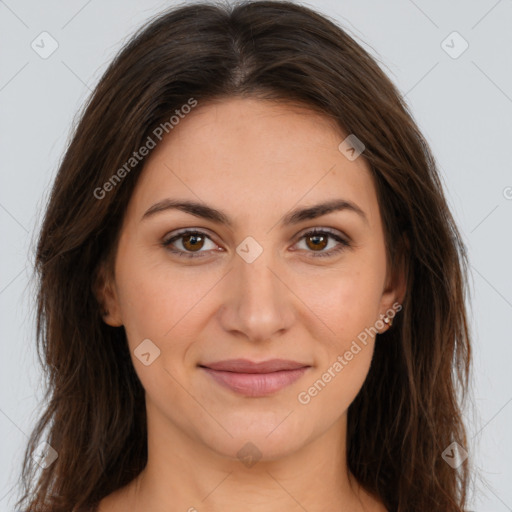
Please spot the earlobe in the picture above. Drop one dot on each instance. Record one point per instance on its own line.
(111, 318)
(105, 292)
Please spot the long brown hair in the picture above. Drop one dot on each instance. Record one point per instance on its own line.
(409, 409)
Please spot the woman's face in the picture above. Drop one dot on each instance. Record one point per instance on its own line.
(251, 284)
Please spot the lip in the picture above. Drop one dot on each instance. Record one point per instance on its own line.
(255, 379)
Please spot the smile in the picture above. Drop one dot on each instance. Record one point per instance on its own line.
(255, 379)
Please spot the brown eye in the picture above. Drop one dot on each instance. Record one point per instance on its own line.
(190, 244)
(317, 241)
(193, 242)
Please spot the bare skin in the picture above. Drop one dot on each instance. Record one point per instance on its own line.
(256, 161)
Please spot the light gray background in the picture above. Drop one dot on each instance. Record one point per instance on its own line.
(463, 106)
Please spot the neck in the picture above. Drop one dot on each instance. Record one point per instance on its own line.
(184, 474)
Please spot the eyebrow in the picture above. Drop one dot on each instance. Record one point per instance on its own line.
(294, 217)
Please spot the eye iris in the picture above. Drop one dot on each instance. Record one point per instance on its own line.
(316, 238)
(192, 239)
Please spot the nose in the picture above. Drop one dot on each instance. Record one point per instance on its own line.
(258, 304)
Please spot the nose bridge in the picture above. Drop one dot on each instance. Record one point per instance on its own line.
(259, 283)
(259, 305)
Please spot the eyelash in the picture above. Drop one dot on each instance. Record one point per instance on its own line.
(343, 244)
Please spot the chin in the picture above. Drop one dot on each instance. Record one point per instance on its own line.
(261, 437)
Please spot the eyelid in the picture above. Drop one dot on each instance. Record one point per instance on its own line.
(180, 233)
(321, 229)
(343, 240)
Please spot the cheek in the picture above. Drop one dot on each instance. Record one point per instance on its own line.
(348, 300)
(330, 392)
(163, 307)
(350, 310)
(348, 303)
(162, 302)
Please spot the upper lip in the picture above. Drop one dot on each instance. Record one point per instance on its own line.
(246, 366)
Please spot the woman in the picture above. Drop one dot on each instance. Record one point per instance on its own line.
(252, 291)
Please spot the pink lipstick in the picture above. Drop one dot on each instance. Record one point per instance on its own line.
(255, 379)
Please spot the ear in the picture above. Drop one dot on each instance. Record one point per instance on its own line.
(396, 282)
(105, 291)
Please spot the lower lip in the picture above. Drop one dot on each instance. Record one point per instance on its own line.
(256, 384)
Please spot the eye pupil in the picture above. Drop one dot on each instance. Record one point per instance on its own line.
(192, 239)
(316, 239)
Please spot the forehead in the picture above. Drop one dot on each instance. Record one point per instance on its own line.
(251, 154)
